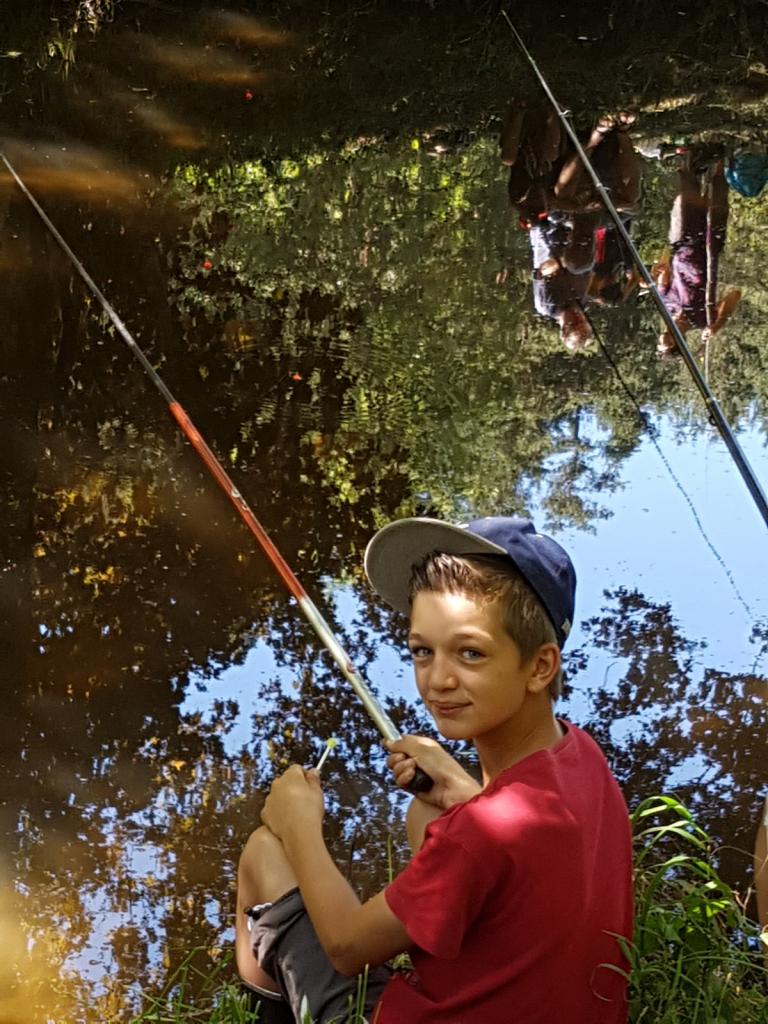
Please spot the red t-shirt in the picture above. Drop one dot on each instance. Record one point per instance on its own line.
(513, 896)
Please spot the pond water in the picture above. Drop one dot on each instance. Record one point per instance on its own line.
(303, 217)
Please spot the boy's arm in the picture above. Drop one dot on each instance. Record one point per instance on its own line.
(352, 934)
(451, 783)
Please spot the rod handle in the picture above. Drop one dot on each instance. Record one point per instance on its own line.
(420, 783)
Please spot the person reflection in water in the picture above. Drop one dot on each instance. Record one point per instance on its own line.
(577, 254)
(687, 274)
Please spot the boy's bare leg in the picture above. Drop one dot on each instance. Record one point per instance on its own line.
(417, 818)
(263, 876)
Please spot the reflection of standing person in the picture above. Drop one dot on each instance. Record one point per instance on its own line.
(687, 279)
(613, 156)
(562, 210)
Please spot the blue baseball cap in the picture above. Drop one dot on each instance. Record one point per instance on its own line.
(543, 564)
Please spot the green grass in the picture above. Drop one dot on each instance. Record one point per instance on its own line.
(697, 958)
(193, 996)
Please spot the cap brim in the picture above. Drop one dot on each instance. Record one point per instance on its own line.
(395, 549)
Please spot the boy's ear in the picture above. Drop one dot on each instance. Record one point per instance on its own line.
(544, 667)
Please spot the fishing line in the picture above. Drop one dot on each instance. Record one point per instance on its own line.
(421, 782)
(716, 414)
(653, 434)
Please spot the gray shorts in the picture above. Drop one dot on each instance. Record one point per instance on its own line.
(287, 948)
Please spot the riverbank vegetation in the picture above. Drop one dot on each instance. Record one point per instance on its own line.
(697, 958)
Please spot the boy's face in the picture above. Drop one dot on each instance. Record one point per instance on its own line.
(468, 669)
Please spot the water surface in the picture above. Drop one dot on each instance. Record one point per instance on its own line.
(304, 220)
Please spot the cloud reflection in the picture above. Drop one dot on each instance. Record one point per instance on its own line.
(77, 172)
(201, 63)
(244, 29)
(156, 118)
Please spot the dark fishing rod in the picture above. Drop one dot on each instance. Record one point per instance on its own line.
(716, 414)
(421, 782)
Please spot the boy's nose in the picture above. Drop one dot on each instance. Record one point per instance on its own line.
(442, 676)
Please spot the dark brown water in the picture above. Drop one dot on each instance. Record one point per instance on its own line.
(304, 220)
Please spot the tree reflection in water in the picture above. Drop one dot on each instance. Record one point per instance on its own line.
(336, 331)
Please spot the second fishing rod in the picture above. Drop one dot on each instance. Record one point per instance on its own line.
(716, 414)
(421, 783)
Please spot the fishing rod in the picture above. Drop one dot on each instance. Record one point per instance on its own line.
(421, 782)
(716, 414)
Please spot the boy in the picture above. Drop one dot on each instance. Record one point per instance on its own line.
(518, 886)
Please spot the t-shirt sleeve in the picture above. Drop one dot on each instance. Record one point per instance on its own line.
(439, 894)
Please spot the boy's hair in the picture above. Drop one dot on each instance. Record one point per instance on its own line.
(492, 578)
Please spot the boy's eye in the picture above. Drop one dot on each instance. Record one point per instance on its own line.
(420, 652)
(471, 654)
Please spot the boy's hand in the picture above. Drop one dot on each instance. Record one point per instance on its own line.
(452, 785)
(295, 801)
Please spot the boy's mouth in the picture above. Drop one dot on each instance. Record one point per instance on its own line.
(448, 709)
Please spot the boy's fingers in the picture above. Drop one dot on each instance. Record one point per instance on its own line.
(404, 777)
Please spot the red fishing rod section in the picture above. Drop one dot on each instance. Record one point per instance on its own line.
(421, 782)
(224, 480)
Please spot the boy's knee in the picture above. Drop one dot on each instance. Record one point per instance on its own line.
(261, 840)
(264, 872)
(261, 846)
